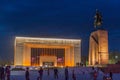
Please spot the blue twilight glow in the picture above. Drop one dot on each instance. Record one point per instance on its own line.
(56, 18)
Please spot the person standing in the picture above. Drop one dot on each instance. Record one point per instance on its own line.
(66, 73)
(111, 75)
(2, 74)
(8, 72)
(40, 73)
(27, 74)
(95, 75)
(56, 73)
(73, 75)
(48, 72)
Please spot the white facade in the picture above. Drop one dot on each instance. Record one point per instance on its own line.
(23, 45)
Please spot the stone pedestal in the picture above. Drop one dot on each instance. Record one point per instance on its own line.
(98, 47)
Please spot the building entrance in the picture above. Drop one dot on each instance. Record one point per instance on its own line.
(48, 61)
(48, 64)
(47, 56)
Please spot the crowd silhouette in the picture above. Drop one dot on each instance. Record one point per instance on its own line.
(5, 74)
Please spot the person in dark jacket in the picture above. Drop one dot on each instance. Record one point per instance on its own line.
(7, 71)
(27, 74)
(48, 72)
(111, 75)
(95, 75)
(56, 73)
(40, 73)
(73, 75)
(66, 73)
(2, 74)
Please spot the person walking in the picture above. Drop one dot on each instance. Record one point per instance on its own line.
(56, 73)
(73, 75)
(40, 73)
(27, 74)
(66, 73)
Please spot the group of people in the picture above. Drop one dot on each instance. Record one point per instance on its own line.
(56, 72)
(66, 73)
(5, 73)
(106, 76)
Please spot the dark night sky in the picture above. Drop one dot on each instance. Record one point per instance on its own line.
(56, 18)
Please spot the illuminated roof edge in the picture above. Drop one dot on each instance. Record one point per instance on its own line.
(46, 38)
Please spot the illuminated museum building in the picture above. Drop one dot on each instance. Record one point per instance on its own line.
(47, 51)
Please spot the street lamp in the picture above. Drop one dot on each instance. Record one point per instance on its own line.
(116, 57)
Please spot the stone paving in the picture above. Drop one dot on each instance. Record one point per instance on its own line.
(81, 74)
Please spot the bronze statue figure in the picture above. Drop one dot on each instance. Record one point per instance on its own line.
(98, 19)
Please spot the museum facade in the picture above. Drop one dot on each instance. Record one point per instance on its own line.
(47, 51)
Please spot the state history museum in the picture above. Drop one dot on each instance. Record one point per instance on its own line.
(31, 51)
